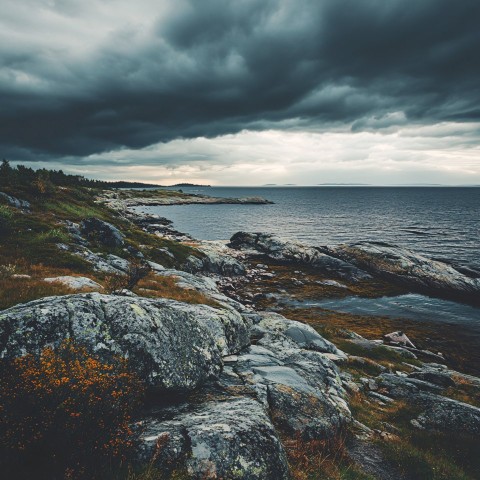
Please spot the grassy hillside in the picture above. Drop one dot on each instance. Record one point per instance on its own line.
(30, 237)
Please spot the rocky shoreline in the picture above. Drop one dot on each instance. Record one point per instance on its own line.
(122, 200)
(238, 383)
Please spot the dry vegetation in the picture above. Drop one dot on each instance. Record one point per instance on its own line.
(65, 414)
(321, 460)
(155, 286)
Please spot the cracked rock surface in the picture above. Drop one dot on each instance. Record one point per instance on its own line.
(172, 345)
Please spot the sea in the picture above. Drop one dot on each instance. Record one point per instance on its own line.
(440, 222)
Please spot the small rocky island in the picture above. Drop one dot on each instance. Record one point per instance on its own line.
(237, 383)
(124, 199)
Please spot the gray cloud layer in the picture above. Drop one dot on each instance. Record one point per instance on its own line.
(79, 78)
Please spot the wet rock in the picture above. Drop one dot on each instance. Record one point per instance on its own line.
(172, 345)
(229, 439)
(102, 231)
(409, 269)
(284, 250)
(75, 283)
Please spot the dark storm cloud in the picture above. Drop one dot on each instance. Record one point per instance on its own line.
(210, 67)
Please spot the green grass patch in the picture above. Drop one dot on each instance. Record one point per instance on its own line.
(73, 211)
(6, 212)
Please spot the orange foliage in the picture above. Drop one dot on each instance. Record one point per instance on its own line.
(65, 412)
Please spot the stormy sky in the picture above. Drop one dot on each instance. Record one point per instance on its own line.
(243, 91)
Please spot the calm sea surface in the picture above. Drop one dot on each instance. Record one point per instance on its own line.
(440, 222)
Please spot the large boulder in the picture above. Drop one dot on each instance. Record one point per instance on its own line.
(438, 413)
(451, 416)
(284, 250)
(103, 232)
(215, 259)
(409, 269)
(171, 345)
(230, 439)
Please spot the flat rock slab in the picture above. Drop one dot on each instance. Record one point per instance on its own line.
(75, 283)
(302, 335)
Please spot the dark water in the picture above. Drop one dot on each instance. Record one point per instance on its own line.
(410, 306)
(440, 222)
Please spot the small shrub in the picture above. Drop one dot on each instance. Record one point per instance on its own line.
(5, 212)
(65, 413)
(42, 185)
(8, 269)
(116, 282)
